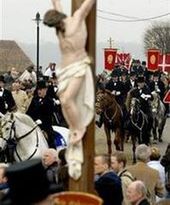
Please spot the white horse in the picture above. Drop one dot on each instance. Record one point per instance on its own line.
(159, 117)
(29, 139)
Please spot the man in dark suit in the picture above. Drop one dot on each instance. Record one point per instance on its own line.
(107, 183)
(7, 102)
(42, 108)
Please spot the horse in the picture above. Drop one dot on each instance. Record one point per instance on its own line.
(107, 106)
(27, 137)
(159, 117)
(137, 125)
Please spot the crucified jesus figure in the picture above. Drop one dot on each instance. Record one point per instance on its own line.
(75, 82)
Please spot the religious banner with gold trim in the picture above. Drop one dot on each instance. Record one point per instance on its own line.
(153, 59)
(110, 57)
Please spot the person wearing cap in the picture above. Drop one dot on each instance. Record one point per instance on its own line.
(28, 184)
(156, 85)
(143, 93)
(116, 86)
(42, 108)
(7, 102)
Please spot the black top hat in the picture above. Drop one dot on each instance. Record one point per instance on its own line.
(2, 78)
(132, 73)
(115, 73)
(141, 79)
(41, 84)
(28, 183)
(156, 74)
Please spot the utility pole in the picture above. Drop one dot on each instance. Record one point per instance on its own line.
(37, 20)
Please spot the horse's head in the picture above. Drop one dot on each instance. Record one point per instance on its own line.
(7, 123)
(134, 106)
(104, 98)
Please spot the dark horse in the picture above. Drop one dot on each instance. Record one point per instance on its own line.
(138, 125)
(107, 106)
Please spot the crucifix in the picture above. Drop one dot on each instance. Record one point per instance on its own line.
(76, 87)
(110, 42)
(85, 183)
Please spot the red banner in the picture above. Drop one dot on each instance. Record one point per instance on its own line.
(110, 56)
(123, 58)
(164, 62)
(153, 59)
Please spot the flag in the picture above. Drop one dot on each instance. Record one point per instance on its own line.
(153, 59)
(110, 56)
(164, 62)
(123, 58)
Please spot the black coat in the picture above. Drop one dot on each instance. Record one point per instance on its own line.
(109, 188)
(42, 108)
(7, 102)
(145, 104)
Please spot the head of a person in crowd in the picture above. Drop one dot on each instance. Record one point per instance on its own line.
(2, 81)
(118, 161)
(16, 86)
(49, 157)
(30, 69)
(42, 88)
(133, 75)
(136, 191)
(156, 76)
(3, 178)
(101, 164)
(14, 73)
(28, 183)
(144, 64)
(155, 154)
(143, 153)
(115, 76)
(141, 81)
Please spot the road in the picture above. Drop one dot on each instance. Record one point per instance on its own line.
(101, 145)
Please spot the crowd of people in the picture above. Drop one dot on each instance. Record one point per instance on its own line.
(115, 181)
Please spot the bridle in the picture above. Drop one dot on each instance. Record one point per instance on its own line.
(17, 139)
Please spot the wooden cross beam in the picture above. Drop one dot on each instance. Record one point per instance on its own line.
(85, 183)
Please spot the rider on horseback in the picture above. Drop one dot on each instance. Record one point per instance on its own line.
(143, 93)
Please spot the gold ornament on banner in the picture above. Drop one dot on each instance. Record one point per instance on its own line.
(110, 59)
(152, 59)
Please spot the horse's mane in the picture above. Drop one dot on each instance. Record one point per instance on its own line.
(25, 119)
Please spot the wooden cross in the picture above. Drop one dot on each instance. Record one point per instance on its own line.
(110, 42)
(86, 181)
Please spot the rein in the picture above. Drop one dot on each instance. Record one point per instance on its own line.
(22, 137)
(36, 148)
(143, 121)
(110, 119)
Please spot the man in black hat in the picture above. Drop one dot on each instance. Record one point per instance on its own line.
(143, 93)
(42, 108)
(7, 102)
(28, 184)
(157, 85)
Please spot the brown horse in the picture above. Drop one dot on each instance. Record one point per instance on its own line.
(112, 117)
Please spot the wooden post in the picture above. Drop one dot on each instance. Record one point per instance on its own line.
(86, 181)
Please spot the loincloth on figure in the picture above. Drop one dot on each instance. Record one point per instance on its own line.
(85, 97)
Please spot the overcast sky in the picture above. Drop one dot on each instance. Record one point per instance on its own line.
(16, 22)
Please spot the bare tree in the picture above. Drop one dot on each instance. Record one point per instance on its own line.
(158, 36)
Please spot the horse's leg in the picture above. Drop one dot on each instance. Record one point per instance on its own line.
(154, 130)
(118, 141)
(133, 138)
(161, 128)
(109, 142)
